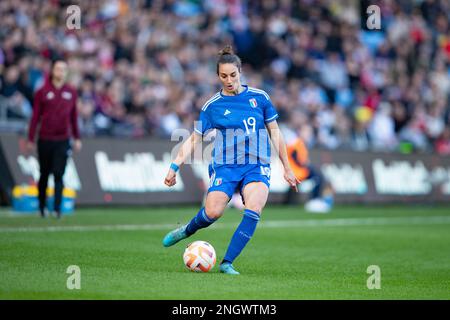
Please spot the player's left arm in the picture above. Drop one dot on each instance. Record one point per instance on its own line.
(74, 122)
(280, 146)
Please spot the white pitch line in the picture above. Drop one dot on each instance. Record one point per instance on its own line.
(358, 222)
(343, 222)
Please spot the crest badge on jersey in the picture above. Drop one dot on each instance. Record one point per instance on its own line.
(67, 95)
(50, 95)
(218, 181)
(253, 103)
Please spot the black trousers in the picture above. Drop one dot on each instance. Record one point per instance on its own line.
(52, 159)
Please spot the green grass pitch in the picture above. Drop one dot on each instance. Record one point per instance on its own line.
(293, 255)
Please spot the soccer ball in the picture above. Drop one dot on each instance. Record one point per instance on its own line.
(199, 256)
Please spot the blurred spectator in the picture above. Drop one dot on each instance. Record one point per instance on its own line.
(144, 68)
(382, 129)
(442, 144)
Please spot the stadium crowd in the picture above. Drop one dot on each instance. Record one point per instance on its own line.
(145, 67)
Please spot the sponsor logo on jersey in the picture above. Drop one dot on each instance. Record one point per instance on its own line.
(67, 95)
(50, 95)
(227, 112)
(253, 102)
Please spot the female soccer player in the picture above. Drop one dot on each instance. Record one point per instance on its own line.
(244, 118)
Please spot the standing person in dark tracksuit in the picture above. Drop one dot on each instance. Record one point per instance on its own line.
(55, 119)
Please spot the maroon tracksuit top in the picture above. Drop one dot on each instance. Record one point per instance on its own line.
(56, 111)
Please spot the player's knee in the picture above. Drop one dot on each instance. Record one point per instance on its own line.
(44, 176)
(213, 213)
(58, 177)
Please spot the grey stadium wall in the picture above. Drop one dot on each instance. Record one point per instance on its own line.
(131, 172)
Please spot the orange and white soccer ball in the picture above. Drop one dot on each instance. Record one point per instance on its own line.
(199, 256)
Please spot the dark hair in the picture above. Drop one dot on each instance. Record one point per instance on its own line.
(55, 61)
(226, 55)
(52, 65)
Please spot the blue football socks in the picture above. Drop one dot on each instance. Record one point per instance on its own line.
(201, 220)
(242, 235)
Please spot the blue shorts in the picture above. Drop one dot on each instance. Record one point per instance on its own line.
(229, 178)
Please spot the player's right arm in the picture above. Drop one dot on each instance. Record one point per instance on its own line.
(34, 122)
(185, 151)
(188, 147)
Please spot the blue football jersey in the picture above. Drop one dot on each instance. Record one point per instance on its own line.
(241, 135)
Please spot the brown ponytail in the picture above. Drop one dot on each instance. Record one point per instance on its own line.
(226, 55)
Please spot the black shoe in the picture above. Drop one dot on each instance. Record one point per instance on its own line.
(43, 213)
